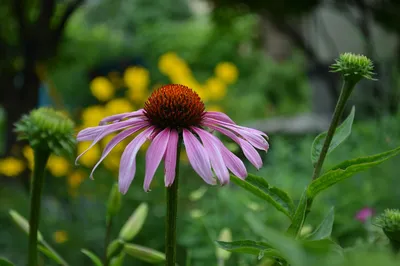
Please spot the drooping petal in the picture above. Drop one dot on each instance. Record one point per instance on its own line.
(154, 155)
(252, 136)
(127, 168)
(248, 150)
(234, 164)
(170, 158)
(108, 129)
(118, 117)
(212, 147)
(219, 117)
(89, 133)
(114, 142)
(198, 157)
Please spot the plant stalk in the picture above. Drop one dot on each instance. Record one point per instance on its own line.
(41, 157)
(107, 241)
(337, 114)
(172, 212)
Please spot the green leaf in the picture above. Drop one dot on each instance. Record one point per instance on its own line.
(342, 132)
(299, 216)
(288, 247)
(324, 230)
(118, 261)
(135, 223)
(248, 247)
(96, 261)
(143, 253)
(259, 187)
(48, 253)
(322, 247)
(4, 262)
(23, 223)
(347, 169)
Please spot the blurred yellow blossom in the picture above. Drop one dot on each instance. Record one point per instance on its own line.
(60, 236)
(58, 166)
(111, 162)
(216, 88)
(167, 62)
(145, 145)
(11, 166)
(117, 106)
(92, 115)
(227, 71)
(137, 97)
(137, 78)
(27, 151)
(215, 108)
(90, 158)
(102, 88)
(75, 178)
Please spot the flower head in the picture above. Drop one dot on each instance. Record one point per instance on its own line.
(172, 112)
(354, 66)
(364, 214)
(47, 129)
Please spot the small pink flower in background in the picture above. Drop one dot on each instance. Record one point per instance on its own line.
(364, 214)
(170, 112)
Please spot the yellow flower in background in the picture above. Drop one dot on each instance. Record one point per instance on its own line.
(92, 115)
(227, 71)
(215, 108)
(137, 78)
(75, 178)
(145, 145)
(111, 162)
(102, 88)
(58, 166)
(90, 158)
(167, 62)
(11, 167)
(60, 236)
(138, 97)
(27, 151)
(118, 106)
(216, 88)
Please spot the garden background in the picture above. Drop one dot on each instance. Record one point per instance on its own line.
(264, 63)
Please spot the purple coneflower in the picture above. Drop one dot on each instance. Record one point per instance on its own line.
(364, 214)
(171, 112)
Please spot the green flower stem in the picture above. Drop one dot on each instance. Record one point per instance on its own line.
(347, 88)
(41, 157)
(172, 211)
(62, 261)
(107, 240)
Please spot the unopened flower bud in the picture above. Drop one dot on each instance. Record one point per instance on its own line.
(47, 129)
(354, 67)
(389, 221)
(225, 236)
(134, 224)
(144, 253)
(114, 202)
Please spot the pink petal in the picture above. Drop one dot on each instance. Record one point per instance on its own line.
(170, 158)
(127, 167)
(108, 129)
(89, 133)
(198, 157)
(211, 145)
(233, 162)
(218, 116)
(118, 117)
(255, 137)
(154, 155)
(248, 150)
(114, 142)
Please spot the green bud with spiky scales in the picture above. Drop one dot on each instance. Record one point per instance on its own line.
(389, 221)
(47, 129)
(354, 67)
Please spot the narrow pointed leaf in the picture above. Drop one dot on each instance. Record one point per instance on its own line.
(288, 248)
(248, 247)
(96, 261)
(324, 230)
(23, 223)
(342, 132)
(347, 169)
(299, 216)
(4, 262)
(143, 253)
(118, 261)
(48, 253)
(259, 187)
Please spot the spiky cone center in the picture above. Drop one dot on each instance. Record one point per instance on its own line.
(389, 220)
(354, 66)
(174, 106)
(47, 129)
